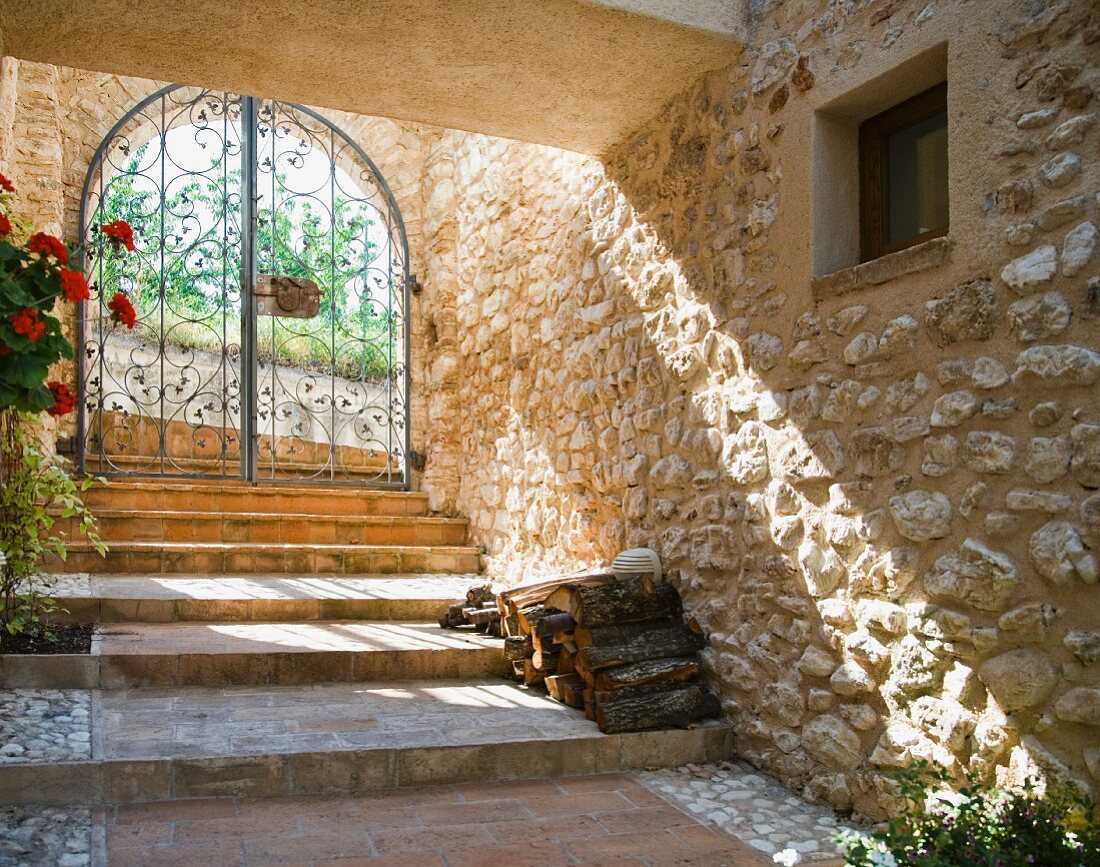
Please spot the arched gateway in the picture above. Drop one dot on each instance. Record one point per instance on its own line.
(271, 284)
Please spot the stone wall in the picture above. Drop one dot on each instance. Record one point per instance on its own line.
(877, 489)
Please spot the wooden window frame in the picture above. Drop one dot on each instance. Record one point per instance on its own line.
(873, 135)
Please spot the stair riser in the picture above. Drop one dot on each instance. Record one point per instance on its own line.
(294, 562)
(85, 610)
(211, 499)
(353, 771)
(124, 671)
(315, 530)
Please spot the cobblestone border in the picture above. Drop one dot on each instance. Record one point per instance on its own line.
(45, 725)
(751, 806)
(45, 836)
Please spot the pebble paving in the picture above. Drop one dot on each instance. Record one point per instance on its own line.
(752, 806)
(45, 725)
(69, 586)
(46, 836)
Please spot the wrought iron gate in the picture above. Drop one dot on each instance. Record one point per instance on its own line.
(271, 286)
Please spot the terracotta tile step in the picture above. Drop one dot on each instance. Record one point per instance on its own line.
(159, 744)
(227, 598)
(258, 654)
(232, 496)
(239, 558)
(186, 526)
(586, 820)
(369, 471)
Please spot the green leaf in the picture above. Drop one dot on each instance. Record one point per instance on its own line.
(25, 370)
(15, 295)
(39, 398)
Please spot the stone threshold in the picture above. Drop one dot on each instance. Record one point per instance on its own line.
(130, 781)
(242, 558)
(256, 598)
(125, 527)
(257, 654)
(227, 495)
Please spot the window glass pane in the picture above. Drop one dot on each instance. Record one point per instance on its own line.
(916, 179)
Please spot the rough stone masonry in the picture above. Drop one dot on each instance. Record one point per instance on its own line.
(879, 489)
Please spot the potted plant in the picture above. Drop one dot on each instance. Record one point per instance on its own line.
(36, 272)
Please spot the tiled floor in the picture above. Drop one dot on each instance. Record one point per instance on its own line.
(144, 639)
(609, 819)
(269, 587)
(155, 723)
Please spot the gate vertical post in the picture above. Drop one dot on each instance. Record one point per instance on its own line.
(249, 420)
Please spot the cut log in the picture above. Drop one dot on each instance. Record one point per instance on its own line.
(556, 622)
(674, 707)
(511, 624)
(566, 688)
(536, 591)
(629, 691)
(573, 693)
(518, 648)
(546, 661)
(647, 673)
(478, 596)
(530, 616)
(625, 601)
(621, 633)
(589, 696)
(517, 670)
(532, 675)
(566, 661)
(481, 616)
(656, 644)
(454, 616)
(546, 643)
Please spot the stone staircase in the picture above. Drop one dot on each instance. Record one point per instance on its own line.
(219, 528)
(275, 640)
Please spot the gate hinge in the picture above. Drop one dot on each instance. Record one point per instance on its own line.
(413, 285)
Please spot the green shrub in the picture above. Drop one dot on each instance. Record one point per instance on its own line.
(980, 826)
(36, 490)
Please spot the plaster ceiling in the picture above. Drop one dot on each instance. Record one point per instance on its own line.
(576, 74)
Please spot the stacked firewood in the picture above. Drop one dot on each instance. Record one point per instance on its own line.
(478, 609)
(619, 648)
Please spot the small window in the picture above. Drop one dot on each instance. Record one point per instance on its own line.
(903, 175)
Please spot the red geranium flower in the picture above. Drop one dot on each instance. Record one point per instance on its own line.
(4, 350)
(27, 323)
(122, 310)
(75, 286)
(120, 233)
(63, 400)
(5, 184)
(48, 245)
(5, 224)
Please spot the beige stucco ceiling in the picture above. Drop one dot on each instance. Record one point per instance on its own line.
(578, 74)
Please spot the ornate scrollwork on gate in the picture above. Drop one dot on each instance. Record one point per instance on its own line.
(220, 190)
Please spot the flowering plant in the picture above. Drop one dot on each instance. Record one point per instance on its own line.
(980, 826)
(35, 487)
(33, 275)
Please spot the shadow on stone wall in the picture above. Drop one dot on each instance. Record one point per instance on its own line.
(879, 505)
